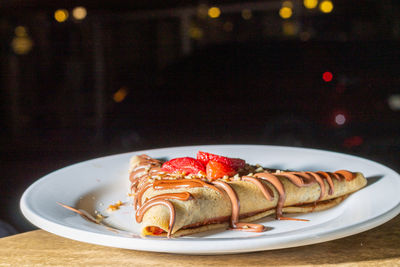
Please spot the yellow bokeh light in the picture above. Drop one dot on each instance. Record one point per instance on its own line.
(214, 12)
(21, 45)
(310, 4)
(285, 12)
(79, 12)
(326, 6)
(246, 14)
(61, 15)
(289, 28)
(288, 4)
(196, 33)
(20, 31)
(120, 95)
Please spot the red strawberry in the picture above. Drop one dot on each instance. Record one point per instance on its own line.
(215, 170)
(184, 165)
(234, 163)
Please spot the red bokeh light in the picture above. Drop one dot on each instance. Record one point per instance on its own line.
(353, 141)
(327, 76)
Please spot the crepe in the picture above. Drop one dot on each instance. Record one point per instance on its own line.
(175, 205)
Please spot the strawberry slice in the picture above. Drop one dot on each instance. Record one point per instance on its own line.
(235, 163)
(185, 165)
(156, 230)
(215, 170)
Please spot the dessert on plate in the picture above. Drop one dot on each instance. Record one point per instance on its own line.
(187, 195)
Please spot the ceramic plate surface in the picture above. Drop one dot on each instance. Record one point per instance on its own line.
(95, 184)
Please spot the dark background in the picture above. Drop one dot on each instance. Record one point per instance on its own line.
(149, 74)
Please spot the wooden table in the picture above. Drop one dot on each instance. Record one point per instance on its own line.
(379, 246)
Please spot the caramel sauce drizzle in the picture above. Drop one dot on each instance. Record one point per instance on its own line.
(145, 166)
(172, 213)
(148, 168)
(329, 180)
(292, 219)
(140, 177)
(182, 183)
(302, 179)
(137, 200)
(320, 182)
(336, 176)
(162, 200)
(169, 184)
(235, 204)
(265, 190)
(346, 174)
(183, 196)
(234, 201)
(136, 173)
(272, 179)
(87, 216)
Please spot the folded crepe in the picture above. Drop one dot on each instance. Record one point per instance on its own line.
(175, 205)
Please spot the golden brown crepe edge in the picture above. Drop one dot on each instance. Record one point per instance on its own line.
(306, 208)
(351, 186)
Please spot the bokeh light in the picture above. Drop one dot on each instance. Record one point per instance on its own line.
(21, 44)
(196, 33)
(20, 31)
(394, 102)
(214, 12)
(310, 4)
(326, 6)
(288, 4)
(327, 76)
(79, 13)
(247, 14)
(120, 95)
(61, 15)
(340, 119)
(289, 28)
(285, 12)
(353, 141)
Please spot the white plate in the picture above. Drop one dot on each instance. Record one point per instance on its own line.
(95, 184)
